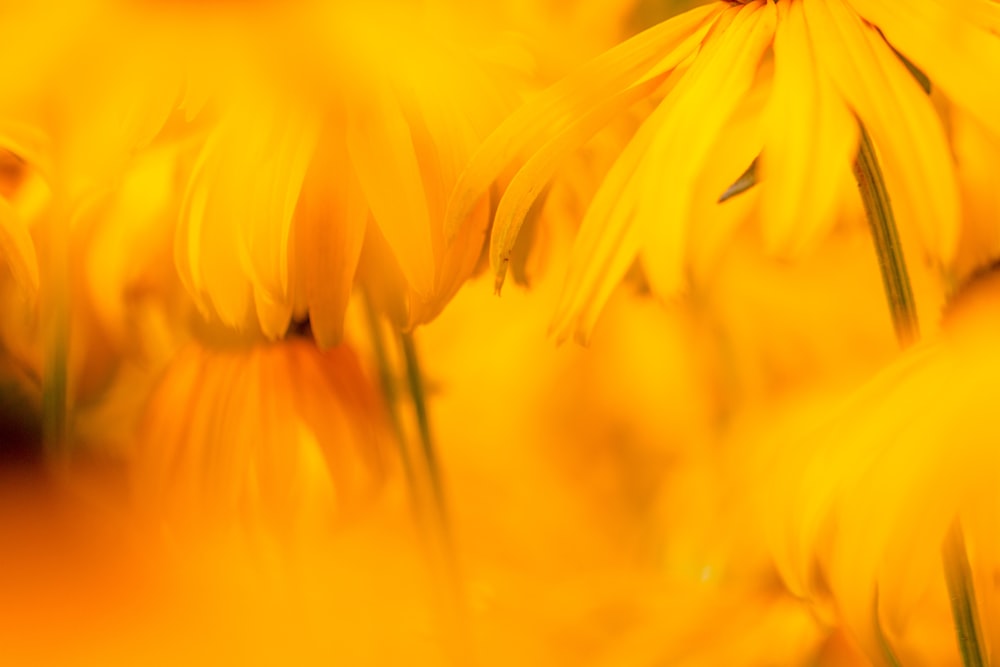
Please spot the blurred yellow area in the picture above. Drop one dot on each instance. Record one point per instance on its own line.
(262, 404)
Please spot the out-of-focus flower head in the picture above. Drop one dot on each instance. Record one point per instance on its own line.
(859, 503)
(351, 136)
(268, 434)
(788, 82)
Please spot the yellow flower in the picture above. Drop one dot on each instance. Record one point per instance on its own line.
(860, 504)
(787, 82)
(265, 434)
(372, 115)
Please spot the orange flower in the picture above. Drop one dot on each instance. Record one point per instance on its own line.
(271, 433)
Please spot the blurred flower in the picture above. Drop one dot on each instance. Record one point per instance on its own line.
(264, 434)
(93, 85)
(858, 504)
(725, 101)
(371, 113)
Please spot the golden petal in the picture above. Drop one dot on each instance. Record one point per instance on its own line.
(329, 231)
(699, 108)
(382, 152)
(898, 115)
(738, 143)
(811, 143)
(951, 43)
(535, 122)
(529, 182)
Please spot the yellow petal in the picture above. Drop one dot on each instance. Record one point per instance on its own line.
(736, 146)
(898, 115)
(607, 242)
(616, 225)
(329, 230)
(648, 54)
(960, 57)
(699, 107)
(381, 149)
(811, 143)
(529, 182)
(18, 250)
(271, 200)
(208, 264)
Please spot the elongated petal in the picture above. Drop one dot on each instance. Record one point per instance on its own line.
(607, 242)
(611, 233)
(738, 143)
(648, 54)
(899, 116)
(525, 188)
(17, 249)
(207, 264)
(699, 107)
(381, 149)
(811, 141)
(329, 230)
(959, 56)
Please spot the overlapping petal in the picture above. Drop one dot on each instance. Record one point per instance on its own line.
(811, 142)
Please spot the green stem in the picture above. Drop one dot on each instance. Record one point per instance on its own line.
(878, 209)
(415, 382)
(902, 307)
(56, 412)
(958, 574)
(391, 395)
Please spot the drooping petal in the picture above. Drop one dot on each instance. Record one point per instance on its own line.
(616, 226)
(811, 141)
(532, 126)
(382, 152)
(699, 107)
(203, 248)
(529, 182)
(329, 230)
(898, 115)
(607, 242)
(949, 42)
(714, 222)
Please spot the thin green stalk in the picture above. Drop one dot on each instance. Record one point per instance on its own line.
(454, 603)
(958, 574)
(391, 395)
(902, 307)
(415, 382)
(878, 209)
(56, 409)
(423, 477)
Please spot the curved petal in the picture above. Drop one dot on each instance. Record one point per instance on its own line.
(738, 143)
(699, 108)
(959, 56)
(529, 182)
(382, 152)
(536, 121)
(329, 230)
(811, 141)
(645, 197)
(899, 116)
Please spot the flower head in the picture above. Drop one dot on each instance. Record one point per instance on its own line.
(360, 134)
(859, 506)
(796, 78)
(268, 432)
